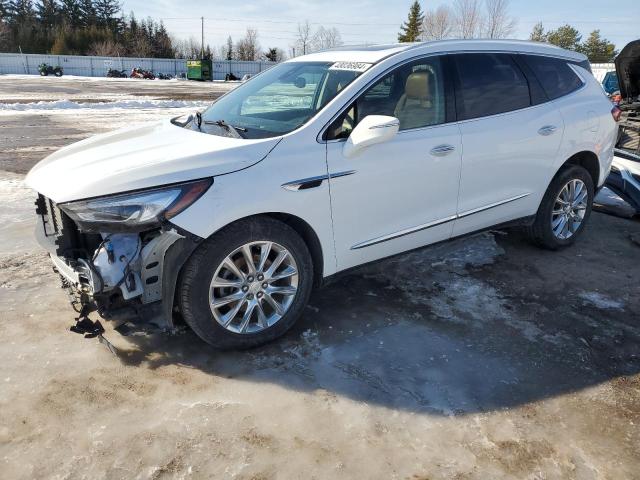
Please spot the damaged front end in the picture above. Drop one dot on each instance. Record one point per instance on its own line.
(120, 255)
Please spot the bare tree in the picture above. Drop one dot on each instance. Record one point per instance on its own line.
(141, 47)
(5, 37)
(468, 18)
(189, 49)
(248, 48)
(325, 38)
(107, 48)
(303, 39)
(498, 22)
(438, 24)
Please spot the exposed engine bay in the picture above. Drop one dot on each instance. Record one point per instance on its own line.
(124, 277)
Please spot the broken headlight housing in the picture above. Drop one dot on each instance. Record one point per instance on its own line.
(135, 211)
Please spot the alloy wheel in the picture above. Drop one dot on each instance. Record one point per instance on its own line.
(253, 287)
(569, 209)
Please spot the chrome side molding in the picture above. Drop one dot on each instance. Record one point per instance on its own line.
(435, 223)
(313, 182)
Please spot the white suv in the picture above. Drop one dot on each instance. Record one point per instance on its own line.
(324, 162)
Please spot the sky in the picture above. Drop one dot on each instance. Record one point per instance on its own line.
(370, 21)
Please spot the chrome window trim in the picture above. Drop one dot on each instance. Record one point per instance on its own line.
(442, 53)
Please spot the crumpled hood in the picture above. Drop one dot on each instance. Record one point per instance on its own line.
(141, 157)
(628, 71)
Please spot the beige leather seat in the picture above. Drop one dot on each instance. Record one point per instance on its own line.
(414, 109)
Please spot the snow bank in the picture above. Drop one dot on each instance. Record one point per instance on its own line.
(119, 104)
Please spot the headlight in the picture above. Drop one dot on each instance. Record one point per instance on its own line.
(136, 211)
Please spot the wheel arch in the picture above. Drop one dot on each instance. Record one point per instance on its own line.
(587, 160)
(302, 228)
(309, 237)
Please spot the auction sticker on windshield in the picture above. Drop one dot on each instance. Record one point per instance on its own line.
(351, 66)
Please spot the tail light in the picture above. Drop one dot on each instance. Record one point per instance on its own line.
(616, 113)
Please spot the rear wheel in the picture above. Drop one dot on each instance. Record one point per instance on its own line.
(247, 285)
(565, 209)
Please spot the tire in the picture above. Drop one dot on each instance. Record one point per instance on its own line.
(57, 72)
(44, 73)
(196, 289)
(541, 231)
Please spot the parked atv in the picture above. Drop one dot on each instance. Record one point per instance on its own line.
(46, 69)
(138, 72)
(113, 73)
(164, 76)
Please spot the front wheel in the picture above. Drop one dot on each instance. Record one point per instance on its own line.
(564, 210)
(246, 285)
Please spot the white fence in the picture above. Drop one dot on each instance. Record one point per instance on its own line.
(600, 69)
(86, 66)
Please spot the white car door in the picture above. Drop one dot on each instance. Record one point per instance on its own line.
(509, 142)
(401, 194)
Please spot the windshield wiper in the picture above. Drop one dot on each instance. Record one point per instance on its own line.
(221, 123)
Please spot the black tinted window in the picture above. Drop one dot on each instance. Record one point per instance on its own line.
(556, 76)
(489, 84)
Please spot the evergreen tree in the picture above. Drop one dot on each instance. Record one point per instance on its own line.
(565, 37)
(411, 30)
(4, 9)
(598, 49)
(87, 13)
(271, 55)
(71, 12)
(106, 12)
(538, 34)
(20, 11)
(47, 13)
(229, 48)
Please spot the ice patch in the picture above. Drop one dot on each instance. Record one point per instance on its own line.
(118, 104)
(601, 301)
(17, 199)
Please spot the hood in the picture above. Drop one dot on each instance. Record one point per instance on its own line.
(628, 71)
(141, 157)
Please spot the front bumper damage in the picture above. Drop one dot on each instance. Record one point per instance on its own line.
(127, 278)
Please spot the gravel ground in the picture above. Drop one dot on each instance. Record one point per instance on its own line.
(481, 358)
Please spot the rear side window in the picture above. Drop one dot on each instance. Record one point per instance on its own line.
(555, 75)
(488, 84)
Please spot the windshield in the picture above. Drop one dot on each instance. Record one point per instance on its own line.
(278, 100)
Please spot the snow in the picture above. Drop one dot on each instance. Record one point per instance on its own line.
(61, 105)
(601, 301)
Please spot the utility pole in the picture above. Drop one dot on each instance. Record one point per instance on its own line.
(202, 43)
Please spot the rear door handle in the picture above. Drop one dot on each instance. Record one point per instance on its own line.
(547, 130)
(442, 150)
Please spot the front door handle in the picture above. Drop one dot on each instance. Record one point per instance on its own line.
(547, 130)
(442, 150)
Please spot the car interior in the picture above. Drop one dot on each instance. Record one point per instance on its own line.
(414, 94)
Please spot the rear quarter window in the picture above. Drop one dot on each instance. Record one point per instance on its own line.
(555, 75)
(489, 84)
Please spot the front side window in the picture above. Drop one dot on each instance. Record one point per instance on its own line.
(413, 93)
(489, 84)
(555, 75)
(277, 101)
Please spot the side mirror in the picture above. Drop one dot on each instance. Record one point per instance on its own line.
(372, 129)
